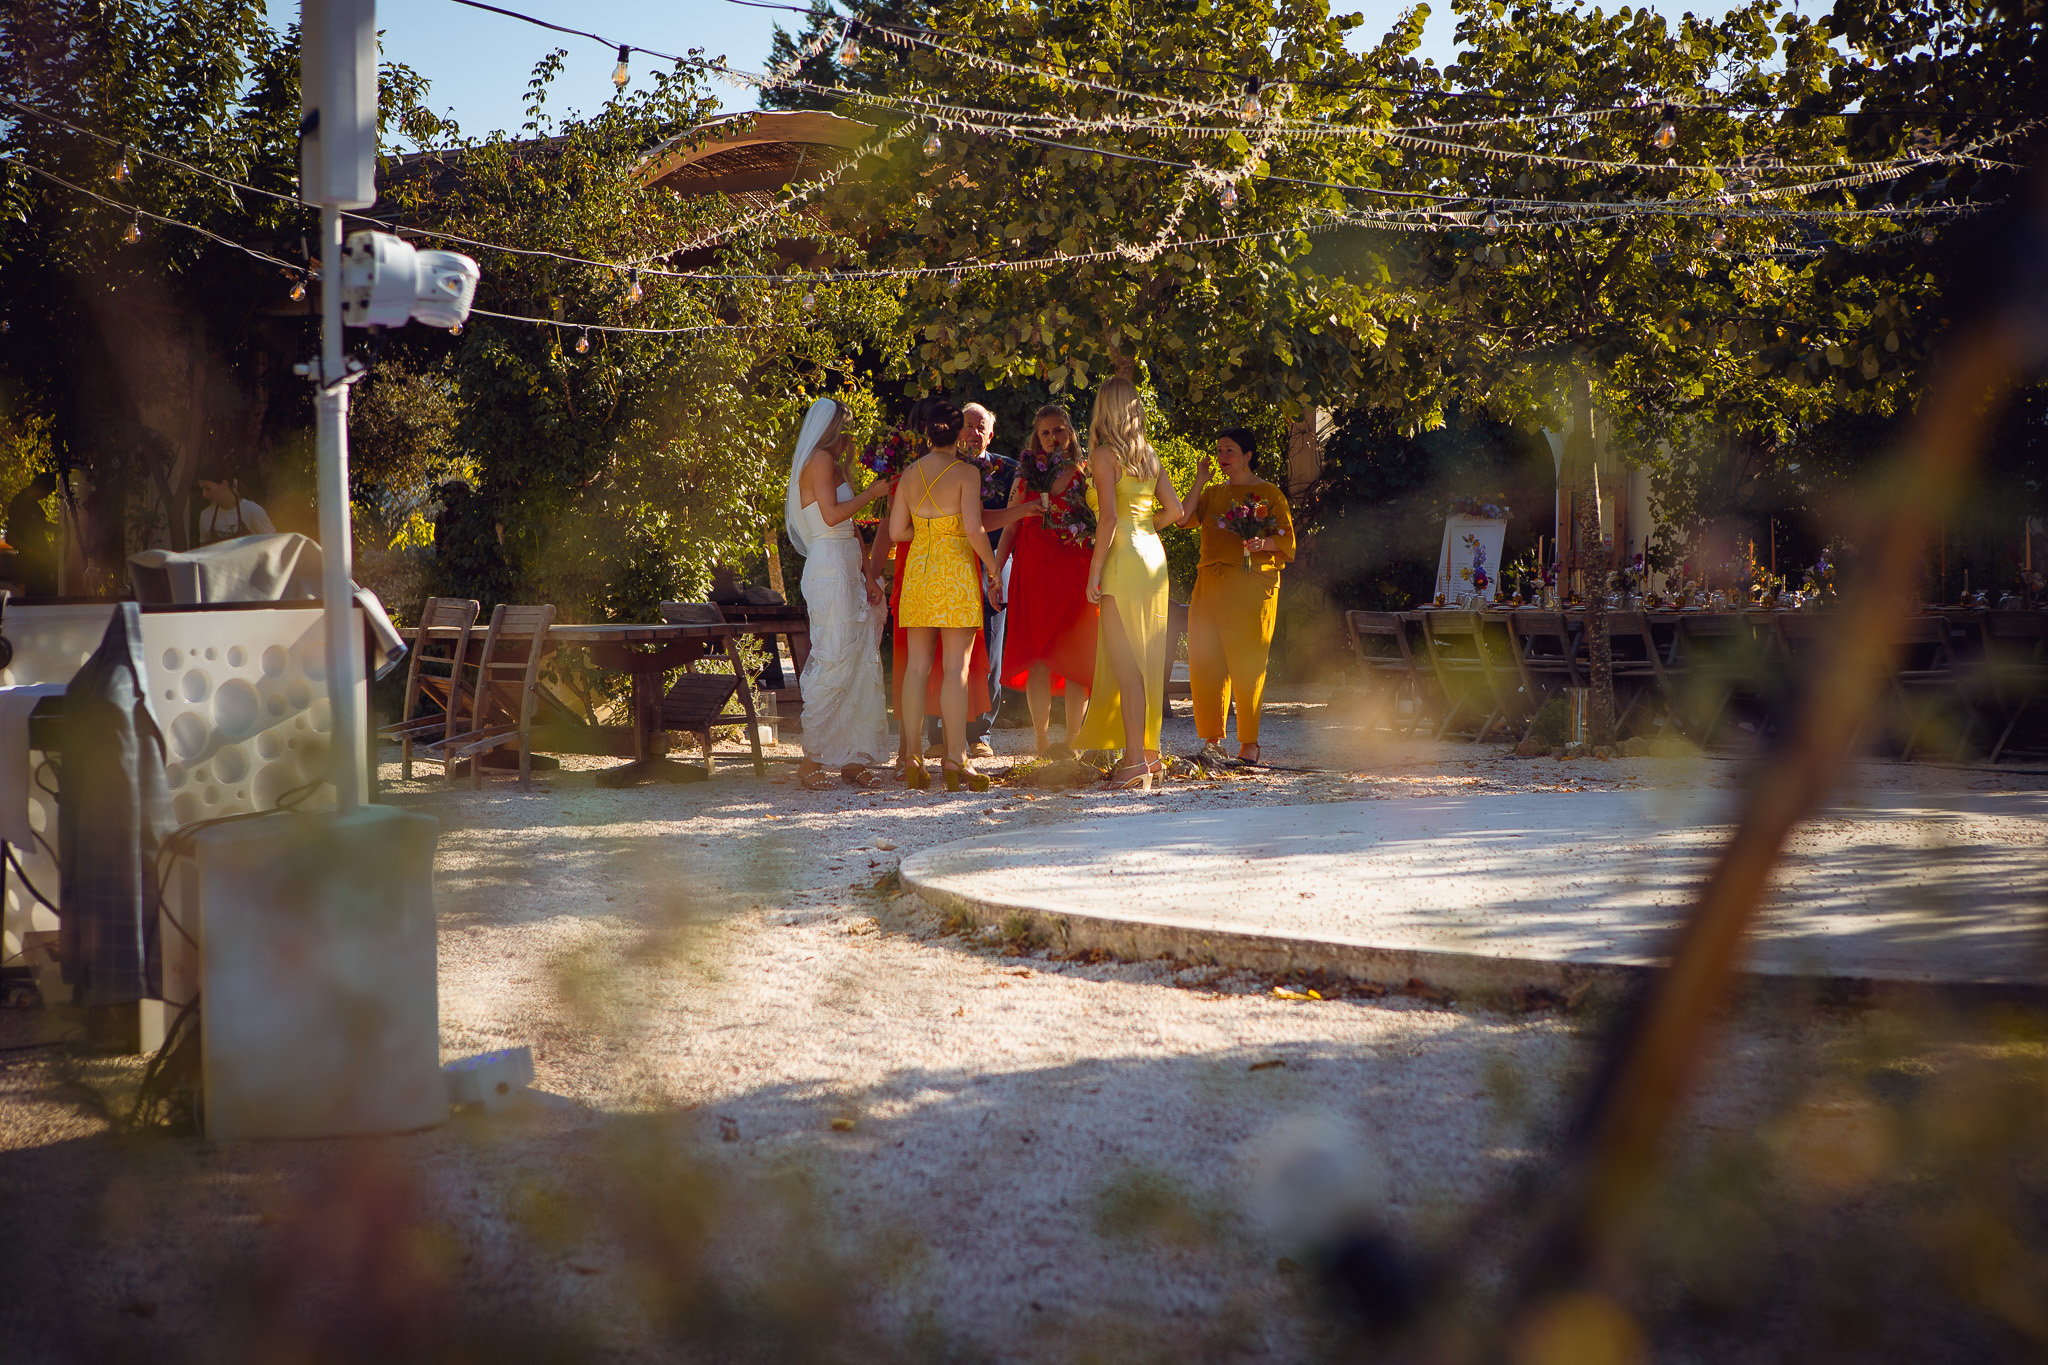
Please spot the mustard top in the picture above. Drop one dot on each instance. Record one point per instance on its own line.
(1223, 547)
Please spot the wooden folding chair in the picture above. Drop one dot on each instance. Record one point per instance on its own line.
(433, 677)
(1546, 653)
(1379, 639)
(1459, 657)
(2013, 672)
(1715, 657)
(1637, 665)
(1925, 672)
(696, 704)
(504, 699)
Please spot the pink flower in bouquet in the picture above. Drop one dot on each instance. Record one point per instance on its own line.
(1249, 520)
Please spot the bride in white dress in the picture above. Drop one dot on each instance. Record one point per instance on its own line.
(846, 707)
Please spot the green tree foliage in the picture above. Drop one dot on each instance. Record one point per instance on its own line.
(618, 475)
(153, 355)
(1225, 328)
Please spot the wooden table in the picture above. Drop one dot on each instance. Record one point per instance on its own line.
(643, 653)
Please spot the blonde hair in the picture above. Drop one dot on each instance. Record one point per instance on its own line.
(1118, 424)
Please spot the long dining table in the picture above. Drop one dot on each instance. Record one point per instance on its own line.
(643, 652)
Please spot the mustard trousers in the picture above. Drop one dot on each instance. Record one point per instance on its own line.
(1230, 635)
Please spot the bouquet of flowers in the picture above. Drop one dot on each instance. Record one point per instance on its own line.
(888, 457)
(1072, 519)
(1040, 470)
(1248, 520)
(1476, 574)
(1491, 508)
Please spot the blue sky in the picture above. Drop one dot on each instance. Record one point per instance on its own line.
(478, 62)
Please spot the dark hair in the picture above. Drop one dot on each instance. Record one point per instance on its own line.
(1246, 442)
(942, 422)
(920, 417)
(213, 473)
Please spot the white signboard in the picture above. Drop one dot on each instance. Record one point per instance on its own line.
(1462, 535)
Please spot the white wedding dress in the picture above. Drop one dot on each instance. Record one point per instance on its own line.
(846, 707)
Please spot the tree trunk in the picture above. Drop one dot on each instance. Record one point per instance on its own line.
(1593, 562)
(775, 564)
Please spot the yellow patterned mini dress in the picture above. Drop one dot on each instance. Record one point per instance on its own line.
(942, 577)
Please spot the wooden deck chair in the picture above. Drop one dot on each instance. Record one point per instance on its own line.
(1459, 657)
(1392, 673)
(696, 704)
(434, 675)
(507, 679)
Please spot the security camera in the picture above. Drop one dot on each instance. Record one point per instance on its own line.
(387, 282)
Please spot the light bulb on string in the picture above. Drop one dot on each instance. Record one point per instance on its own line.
(849, 51)
(1492, 225)
(134, 232)
(619, 73)
(1229, 196)
(1667, 131)
(1719, 236)
(932, 145)
(456, 330)
(583, 343)
(1251, 108)
(810, 303)
(634, 293)
(119, 175)
(298, 288)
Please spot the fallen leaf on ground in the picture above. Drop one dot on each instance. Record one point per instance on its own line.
(1269, 1064)
(842, 1125)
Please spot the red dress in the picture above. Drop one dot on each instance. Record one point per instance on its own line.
(1051, 620)
(977, 662)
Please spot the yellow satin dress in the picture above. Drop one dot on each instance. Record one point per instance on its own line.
(942, 576)
(1134, 581)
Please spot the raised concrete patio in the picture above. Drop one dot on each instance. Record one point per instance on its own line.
(1524, 890)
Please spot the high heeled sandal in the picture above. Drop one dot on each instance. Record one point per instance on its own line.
(975, 782)
(917, 779)
(1126, 777)
(1253, 759)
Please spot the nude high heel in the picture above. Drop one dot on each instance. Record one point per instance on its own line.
(1131, 777)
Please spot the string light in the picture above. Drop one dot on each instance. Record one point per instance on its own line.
(456, 330)
(1719, 236)
(1251, 108)
(810, 300)
(634, 293)
(119, 175)
(1492, 224)
(619, 73)
(298, 289)
(932, 145)
(1667, 131)
(849, 50)
(134, 232)
(583, 343)
(1229, 196)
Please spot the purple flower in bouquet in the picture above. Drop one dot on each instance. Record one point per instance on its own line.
(1476, 575)
(1491, 509)
(1249, 520)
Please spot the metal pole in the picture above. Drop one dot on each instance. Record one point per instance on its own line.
(336, 557)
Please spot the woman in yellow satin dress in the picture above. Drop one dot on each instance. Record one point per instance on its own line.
(1133, 498)
(1237, 596)
(937, 508)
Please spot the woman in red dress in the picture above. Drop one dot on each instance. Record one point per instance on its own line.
(1049, 642)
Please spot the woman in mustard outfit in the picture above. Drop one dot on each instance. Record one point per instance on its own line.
(937, 508)
(1133, 498)
(1237, 596)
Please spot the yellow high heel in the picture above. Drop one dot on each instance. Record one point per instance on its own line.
(917, 779)
(977, 782)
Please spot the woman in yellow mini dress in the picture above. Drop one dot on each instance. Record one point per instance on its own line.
(1237, 596)
(1133, 498)
(937, 508)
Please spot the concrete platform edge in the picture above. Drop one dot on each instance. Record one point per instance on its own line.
(1461, 975)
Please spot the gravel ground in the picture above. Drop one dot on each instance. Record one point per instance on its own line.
(801, 1116)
